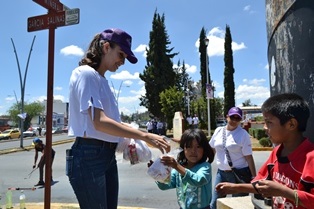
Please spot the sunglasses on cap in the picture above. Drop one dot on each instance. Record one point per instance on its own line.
(235, 118)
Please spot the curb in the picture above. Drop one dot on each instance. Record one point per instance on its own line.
(262, 148)
(63, 206)
(30, 147)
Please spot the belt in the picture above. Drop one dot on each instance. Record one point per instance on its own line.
(226, 171)
(96, 142)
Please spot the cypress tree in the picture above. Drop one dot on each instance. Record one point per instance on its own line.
(229, 94)
(158, 74)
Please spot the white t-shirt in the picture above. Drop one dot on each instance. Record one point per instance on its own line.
(195, 120)
(149, 125)
(189, 119)
(238, 144)
(89, 89)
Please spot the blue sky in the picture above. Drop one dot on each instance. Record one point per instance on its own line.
(184, 20)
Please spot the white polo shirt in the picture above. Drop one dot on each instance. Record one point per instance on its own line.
(238, 144)
(89, 89)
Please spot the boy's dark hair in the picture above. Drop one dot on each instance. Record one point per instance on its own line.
(186, 141)
(286, 106)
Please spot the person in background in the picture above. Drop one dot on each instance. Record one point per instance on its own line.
(238, 143)
(189, 120)
(160, 127)
(39, 130)
(40, 147)
(191, 175)
(195, 121)
(94, 120)
(149, 126)
(287, 175)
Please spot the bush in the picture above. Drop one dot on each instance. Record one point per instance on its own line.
(260, 133)
(265, 142)
(251, 132)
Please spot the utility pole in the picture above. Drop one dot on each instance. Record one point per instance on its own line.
(22, 86)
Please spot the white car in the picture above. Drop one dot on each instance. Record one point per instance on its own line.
(29, 133)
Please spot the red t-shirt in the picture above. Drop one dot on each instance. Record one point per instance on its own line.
(294, 171)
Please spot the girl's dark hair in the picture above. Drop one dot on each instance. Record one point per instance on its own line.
(186, 141)
(286, 106)
(94, 53)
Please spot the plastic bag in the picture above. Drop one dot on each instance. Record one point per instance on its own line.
(143, 152)
(160, 172)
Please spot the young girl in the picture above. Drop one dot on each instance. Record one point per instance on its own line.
(191, 174)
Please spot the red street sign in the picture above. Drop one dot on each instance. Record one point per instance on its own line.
(51, 4)
(58, 19)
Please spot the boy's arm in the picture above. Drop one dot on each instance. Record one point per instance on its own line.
(35, 158)
(231, 188)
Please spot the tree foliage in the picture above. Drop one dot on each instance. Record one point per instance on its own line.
(32, 109)
(247, 103)
(158, 74)
(172, 101)
(203, 61)
(229, 94)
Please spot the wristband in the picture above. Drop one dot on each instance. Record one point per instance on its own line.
(296, 198)
(254, 185)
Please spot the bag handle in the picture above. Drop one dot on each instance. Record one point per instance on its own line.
(224, 139)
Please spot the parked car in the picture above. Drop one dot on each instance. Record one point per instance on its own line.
(55, 130)
(220, 123)
(65, 129)
(29, 133)
(10, 134)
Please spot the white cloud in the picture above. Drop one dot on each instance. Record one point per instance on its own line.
(247, 8)
(251, 89)
(255, 82)
(257, 94)
(189, 69)
(123, 75)
(216, 43)
(72, 50)
(58, 88)
(142, 49)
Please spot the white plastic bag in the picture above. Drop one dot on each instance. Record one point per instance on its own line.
(160, 172)
(144, 154)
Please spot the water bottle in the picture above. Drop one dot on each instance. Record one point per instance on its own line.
(22, 200)
(133, 154)
(8, 196)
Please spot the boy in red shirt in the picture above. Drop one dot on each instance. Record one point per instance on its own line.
(289, 167)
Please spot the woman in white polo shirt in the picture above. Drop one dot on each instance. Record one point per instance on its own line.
(238, 144)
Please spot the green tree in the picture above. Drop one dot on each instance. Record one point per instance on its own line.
(219, 104)
(183, 82)
(203, 59)
(204, 70)
(247, 103)
(171, 102)
(32, 109)
(158, 74)
(229, 94)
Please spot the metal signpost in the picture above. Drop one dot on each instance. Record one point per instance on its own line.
(58, 15)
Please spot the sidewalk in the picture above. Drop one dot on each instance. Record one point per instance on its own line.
(62, 206)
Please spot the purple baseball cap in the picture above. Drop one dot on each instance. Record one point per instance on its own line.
(123, 39)
(235, 111)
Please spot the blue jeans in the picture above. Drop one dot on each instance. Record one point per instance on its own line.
(223, 176)
(94, 176)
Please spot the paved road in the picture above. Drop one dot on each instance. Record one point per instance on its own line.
(137, 189)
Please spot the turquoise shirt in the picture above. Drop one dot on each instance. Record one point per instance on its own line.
(194, 189)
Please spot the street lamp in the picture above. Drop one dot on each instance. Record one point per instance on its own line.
(22, 85)
(206, 40)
